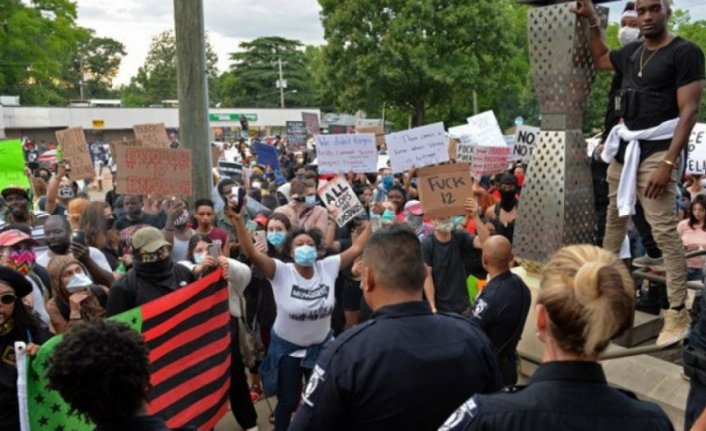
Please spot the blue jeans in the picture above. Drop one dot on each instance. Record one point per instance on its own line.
(289, 389)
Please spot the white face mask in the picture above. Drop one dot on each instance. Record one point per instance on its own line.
(628, 34)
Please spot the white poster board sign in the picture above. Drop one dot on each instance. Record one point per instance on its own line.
(486, 130)
(338, 154)
(526, 140)
(338, 195)
(696, 160)
(464, 149)
(418, 147)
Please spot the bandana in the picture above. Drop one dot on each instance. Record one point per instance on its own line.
(22, 261)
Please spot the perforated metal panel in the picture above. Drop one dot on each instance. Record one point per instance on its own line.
(557, 206)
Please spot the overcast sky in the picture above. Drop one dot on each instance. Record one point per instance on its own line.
(228, 22)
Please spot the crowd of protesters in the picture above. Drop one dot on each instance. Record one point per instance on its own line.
(395, 320)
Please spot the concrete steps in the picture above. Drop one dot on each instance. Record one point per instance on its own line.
(649, 377)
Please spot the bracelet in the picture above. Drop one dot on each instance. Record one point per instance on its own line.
(594, 25)
(75, 318)
(668, 163)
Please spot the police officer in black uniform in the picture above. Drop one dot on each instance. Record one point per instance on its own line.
(586, 298)
(502, 307)
(406, 368)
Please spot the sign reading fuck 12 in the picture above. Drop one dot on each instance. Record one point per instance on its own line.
(418, 147)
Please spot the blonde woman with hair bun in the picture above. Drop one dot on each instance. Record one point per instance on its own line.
(585, 299)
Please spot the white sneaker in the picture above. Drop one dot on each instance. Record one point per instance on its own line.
(676, 327)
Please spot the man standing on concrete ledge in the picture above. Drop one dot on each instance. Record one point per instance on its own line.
(658, 103)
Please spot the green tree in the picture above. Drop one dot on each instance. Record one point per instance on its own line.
(97, 60)
(156, 78)
(413, 56)
(254, 73)
(35, 43)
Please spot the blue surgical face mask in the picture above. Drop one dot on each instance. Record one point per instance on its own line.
(305, 255)
(199, 257)
(458, 220)
(310, 201)
(77, 282)
(388, 215)
(276, 238)
(387, 181)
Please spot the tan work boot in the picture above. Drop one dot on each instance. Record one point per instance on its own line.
(676, 327)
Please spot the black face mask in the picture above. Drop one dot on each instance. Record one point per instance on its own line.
(507, 200)
(59, 247)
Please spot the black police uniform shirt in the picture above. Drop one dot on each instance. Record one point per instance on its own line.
(501, 309)
(405, 369)
(449, 264)
(561, 395)
(651, 99)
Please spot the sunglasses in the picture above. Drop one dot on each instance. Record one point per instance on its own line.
(160, 254)
(8, 298)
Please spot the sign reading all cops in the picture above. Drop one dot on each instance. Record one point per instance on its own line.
(526, 140)
(696, 161)
(337, 194)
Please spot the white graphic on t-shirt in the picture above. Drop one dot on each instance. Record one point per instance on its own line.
(481, 306)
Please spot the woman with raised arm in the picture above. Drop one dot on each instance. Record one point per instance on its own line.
(304, 295)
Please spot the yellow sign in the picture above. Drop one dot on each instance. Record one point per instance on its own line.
(98, 124)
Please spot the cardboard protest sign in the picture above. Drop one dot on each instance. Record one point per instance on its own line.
(74, 149)
(312, 123)
(378, 131)
(267, 155)
(696, 160)
(339, 154)
(230, 170)
(152, 135)
(163, 171)
(526, 140)
(12, 164)
(443, 189)
(124, 143)
(489, 160)
(418, 147)
(486, 130)
(339, 195)
(296, 135)
(215, 155)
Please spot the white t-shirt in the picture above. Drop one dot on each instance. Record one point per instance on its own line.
(96, 255)
(304, 306)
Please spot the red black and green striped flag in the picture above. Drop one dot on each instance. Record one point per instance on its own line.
(188, 338)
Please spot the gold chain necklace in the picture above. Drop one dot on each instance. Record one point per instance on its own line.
(642, 55)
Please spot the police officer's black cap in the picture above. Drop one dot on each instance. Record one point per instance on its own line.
(16, 281)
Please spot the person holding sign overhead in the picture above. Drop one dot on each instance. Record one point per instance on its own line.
(447, 257)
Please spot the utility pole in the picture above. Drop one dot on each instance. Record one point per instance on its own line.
(81, 81)
(281, 83)
(192, 85)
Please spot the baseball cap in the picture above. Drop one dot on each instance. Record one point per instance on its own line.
(148, 239)
(261, 219)
(15, 189)
(508, 179)
(414, 207)
(12, 237)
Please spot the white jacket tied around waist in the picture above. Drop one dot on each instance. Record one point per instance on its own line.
(627, 188)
